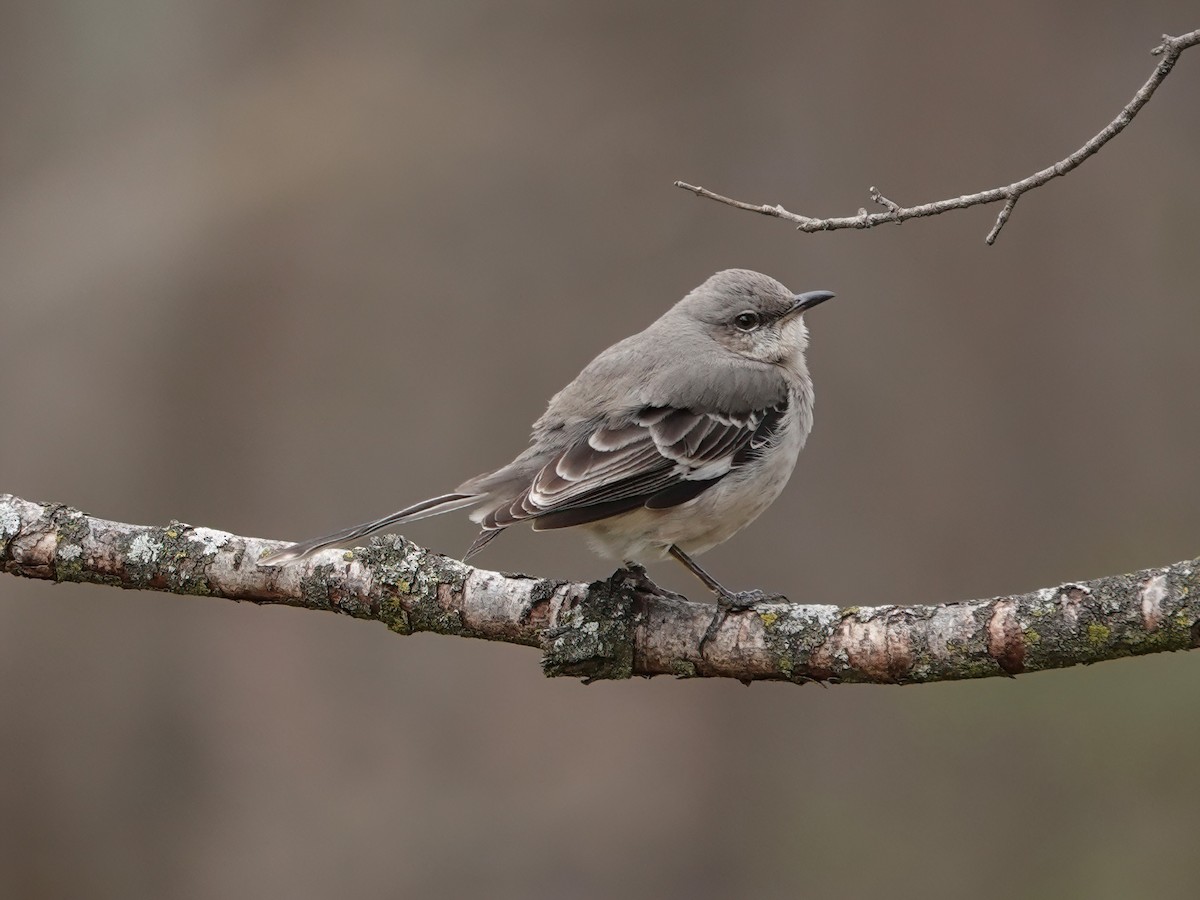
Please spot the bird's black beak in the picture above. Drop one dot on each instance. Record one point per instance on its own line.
(807, 301)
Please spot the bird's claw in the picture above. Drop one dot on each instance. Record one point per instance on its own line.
(731, 601)
(750, 599)
(636, 575)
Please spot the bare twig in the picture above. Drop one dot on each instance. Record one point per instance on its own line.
(1169, 50)
(623, 626)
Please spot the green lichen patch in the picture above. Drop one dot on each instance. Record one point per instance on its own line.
(683, 668)
(184, 562)
(426, 614)
(176, 557)
(794, 632)
(395, 617)
(395, 563)
(71, 532)
(1098, 635)
(413, 587)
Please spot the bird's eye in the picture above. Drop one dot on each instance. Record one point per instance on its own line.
(746, 321)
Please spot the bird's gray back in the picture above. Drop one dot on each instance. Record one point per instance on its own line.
(635, 374)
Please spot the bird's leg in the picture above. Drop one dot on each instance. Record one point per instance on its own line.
(727, 600)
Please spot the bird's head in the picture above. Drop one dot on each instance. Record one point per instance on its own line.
(752, 314)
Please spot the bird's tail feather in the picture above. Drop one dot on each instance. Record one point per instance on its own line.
(433, 507)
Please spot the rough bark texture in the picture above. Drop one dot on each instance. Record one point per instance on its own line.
(619, 627)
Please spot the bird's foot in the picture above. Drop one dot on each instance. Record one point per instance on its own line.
(636, 575)
(731, 601)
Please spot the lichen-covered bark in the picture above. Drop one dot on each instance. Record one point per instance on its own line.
(622, 627)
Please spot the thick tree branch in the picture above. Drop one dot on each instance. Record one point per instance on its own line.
(621, 627)
(1169, 49)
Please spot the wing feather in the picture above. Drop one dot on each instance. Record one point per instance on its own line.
(662, 458)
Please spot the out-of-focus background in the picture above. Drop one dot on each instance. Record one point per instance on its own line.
(277, 267)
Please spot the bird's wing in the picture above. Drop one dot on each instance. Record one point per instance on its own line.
(662, 457)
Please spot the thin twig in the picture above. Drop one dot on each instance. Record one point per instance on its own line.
(1001, 219)
(1169, 50)
(624, 626)
(884, 201)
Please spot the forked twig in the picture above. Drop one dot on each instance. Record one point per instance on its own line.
(1170, 50)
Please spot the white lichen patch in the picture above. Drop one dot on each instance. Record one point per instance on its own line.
(1154, 592)
(10, 520)
(800, 618)
(565, 641)
(947, 625)
(210, 539)
(68, 552)
(144, 550)
(489, 595)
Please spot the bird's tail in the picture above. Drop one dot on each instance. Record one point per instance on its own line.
(432, 507)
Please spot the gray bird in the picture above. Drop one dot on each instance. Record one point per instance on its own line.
(667, 443)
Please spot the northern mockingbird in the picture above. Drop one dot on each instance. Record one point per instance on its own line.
(666, 444)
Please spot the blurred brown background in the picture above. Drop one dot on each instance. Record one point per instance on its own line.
(276, 267)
